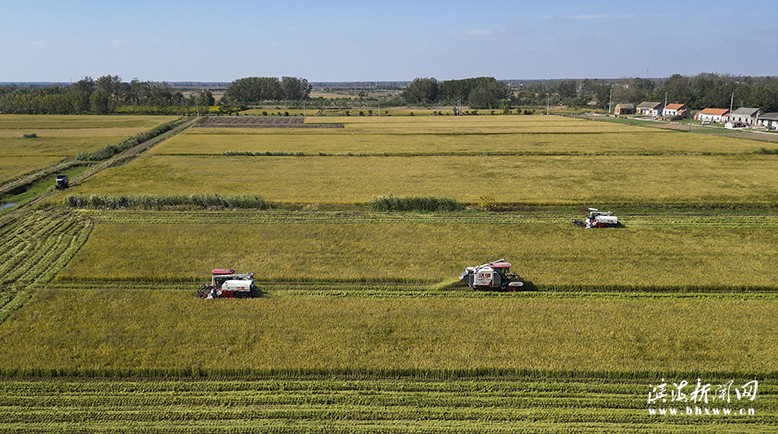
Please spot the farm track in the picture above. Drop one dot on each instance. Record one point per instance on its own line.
(375, 402)
(35, 246)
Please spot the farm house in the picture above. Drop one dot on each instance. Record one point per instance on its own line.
(717, 115)
(675, 110)
(650, 108)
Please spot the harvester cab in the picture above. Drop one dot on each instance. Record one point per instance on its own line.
(492, 276)
(599, 219)
(225, 283)
(61, 182)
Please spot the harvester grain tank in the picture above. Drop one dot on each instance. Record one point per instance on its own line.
(492, 276)
(225, 283)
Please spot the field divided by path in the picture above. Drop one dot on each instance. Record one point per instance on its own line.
(362, 327)
(54, 138)
(513, 160)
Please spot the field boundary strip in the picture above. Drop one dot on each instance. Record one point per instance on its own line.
(261, 122)
(680, 219)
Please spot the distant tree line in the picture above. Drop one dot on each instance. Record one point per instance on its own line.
(107, 94)
(698, 92)
(479, 92)
(256, 90)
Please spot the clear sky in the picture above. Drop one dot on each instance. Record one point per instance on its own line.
(177, 40)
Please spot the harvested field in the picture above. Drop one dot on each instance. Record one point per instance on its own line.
(390, 403)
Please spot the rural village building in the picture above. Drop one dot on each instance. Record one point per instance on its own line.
(650, 108)
(768, 120)
(624, 109)
(713, 115)
(745, 115)
(673, 110)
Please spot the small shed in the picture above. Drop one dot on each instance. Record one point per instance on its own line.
(768, 120)
(624, 109)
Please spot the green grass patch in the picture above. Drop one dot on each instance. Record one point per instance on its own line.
(412, 203)
(166, 202)
(37, 188)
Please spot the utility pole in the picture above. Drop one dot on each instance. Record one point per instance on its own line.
(610, 99)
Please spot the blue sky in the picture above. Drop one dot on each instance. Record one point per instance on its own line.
(384, 40)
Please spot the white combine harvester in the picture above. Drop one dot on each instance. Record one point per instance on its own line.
(493, 276)
(599, 219)
(225, 283)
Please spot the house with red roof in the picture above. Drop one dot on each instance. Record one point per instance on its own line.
(675, 110)
(718, 115)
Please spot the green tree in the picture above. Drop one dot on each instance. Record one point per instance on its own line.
(295, 89)
(254, 90)
(422, 91)
(99, 102)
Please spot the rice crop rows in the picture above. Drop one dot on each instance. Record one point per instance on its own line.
(342, 403)
(419, 143)
(382, 248)
(700, 180)
(119, 329)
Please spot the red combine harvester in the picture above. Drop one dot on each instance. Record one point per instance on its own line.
(225, 283)
(493, 276)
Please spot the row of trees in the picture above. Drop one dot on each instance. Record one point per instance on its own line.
(255, 90)
(699, 91)
(107, 94)
(479, 92)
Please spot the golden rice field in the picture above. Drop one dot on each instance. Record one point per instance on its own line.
(362, 326)
(554, 256)
(575, 180)
(13, 167)
(214, 141)
(144, 330)
(33, 122)
(60, 137)
(530, 135)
